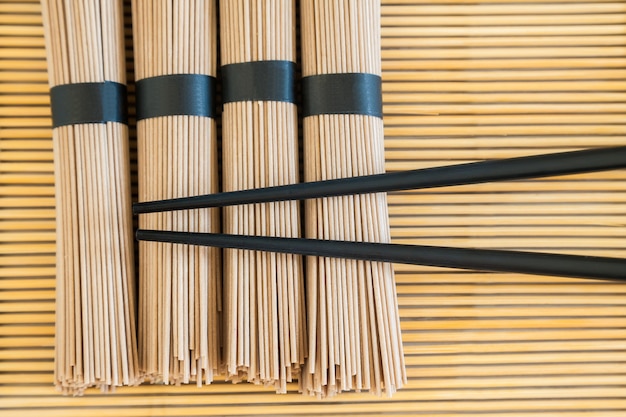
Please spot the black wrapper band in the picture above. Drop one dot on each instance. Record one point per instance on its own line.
(348, 93)
(259, 81)
(176, 95)
(81, 103)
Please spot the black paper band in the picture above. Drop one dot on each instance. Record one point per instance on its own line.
(259, 81)
(350, 93)
(81, 103)
(176, 95)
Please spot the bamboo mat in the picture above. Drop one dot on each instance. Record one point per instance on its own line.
(463, 81)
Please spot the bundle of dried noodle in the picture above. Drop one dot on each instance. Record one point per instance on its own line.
(179, 285)
(265, 338)
(354, 329)
(95, 317)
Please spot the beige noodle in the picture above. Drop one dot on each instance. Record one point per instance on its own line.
(180, 285)
(354, 329)
(95, 313)
(265, 338)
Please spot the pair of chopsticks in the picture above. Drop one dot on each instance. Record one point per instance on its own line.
(589, 267)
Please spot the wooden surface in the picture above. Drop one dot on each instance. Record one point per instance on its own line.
(462, 81)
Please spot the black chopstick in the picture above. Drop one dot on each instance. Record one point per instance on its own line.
(589, 267)
(588, 160)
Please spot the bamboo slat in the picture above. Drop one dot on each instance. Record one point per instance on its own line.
(398, 8)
